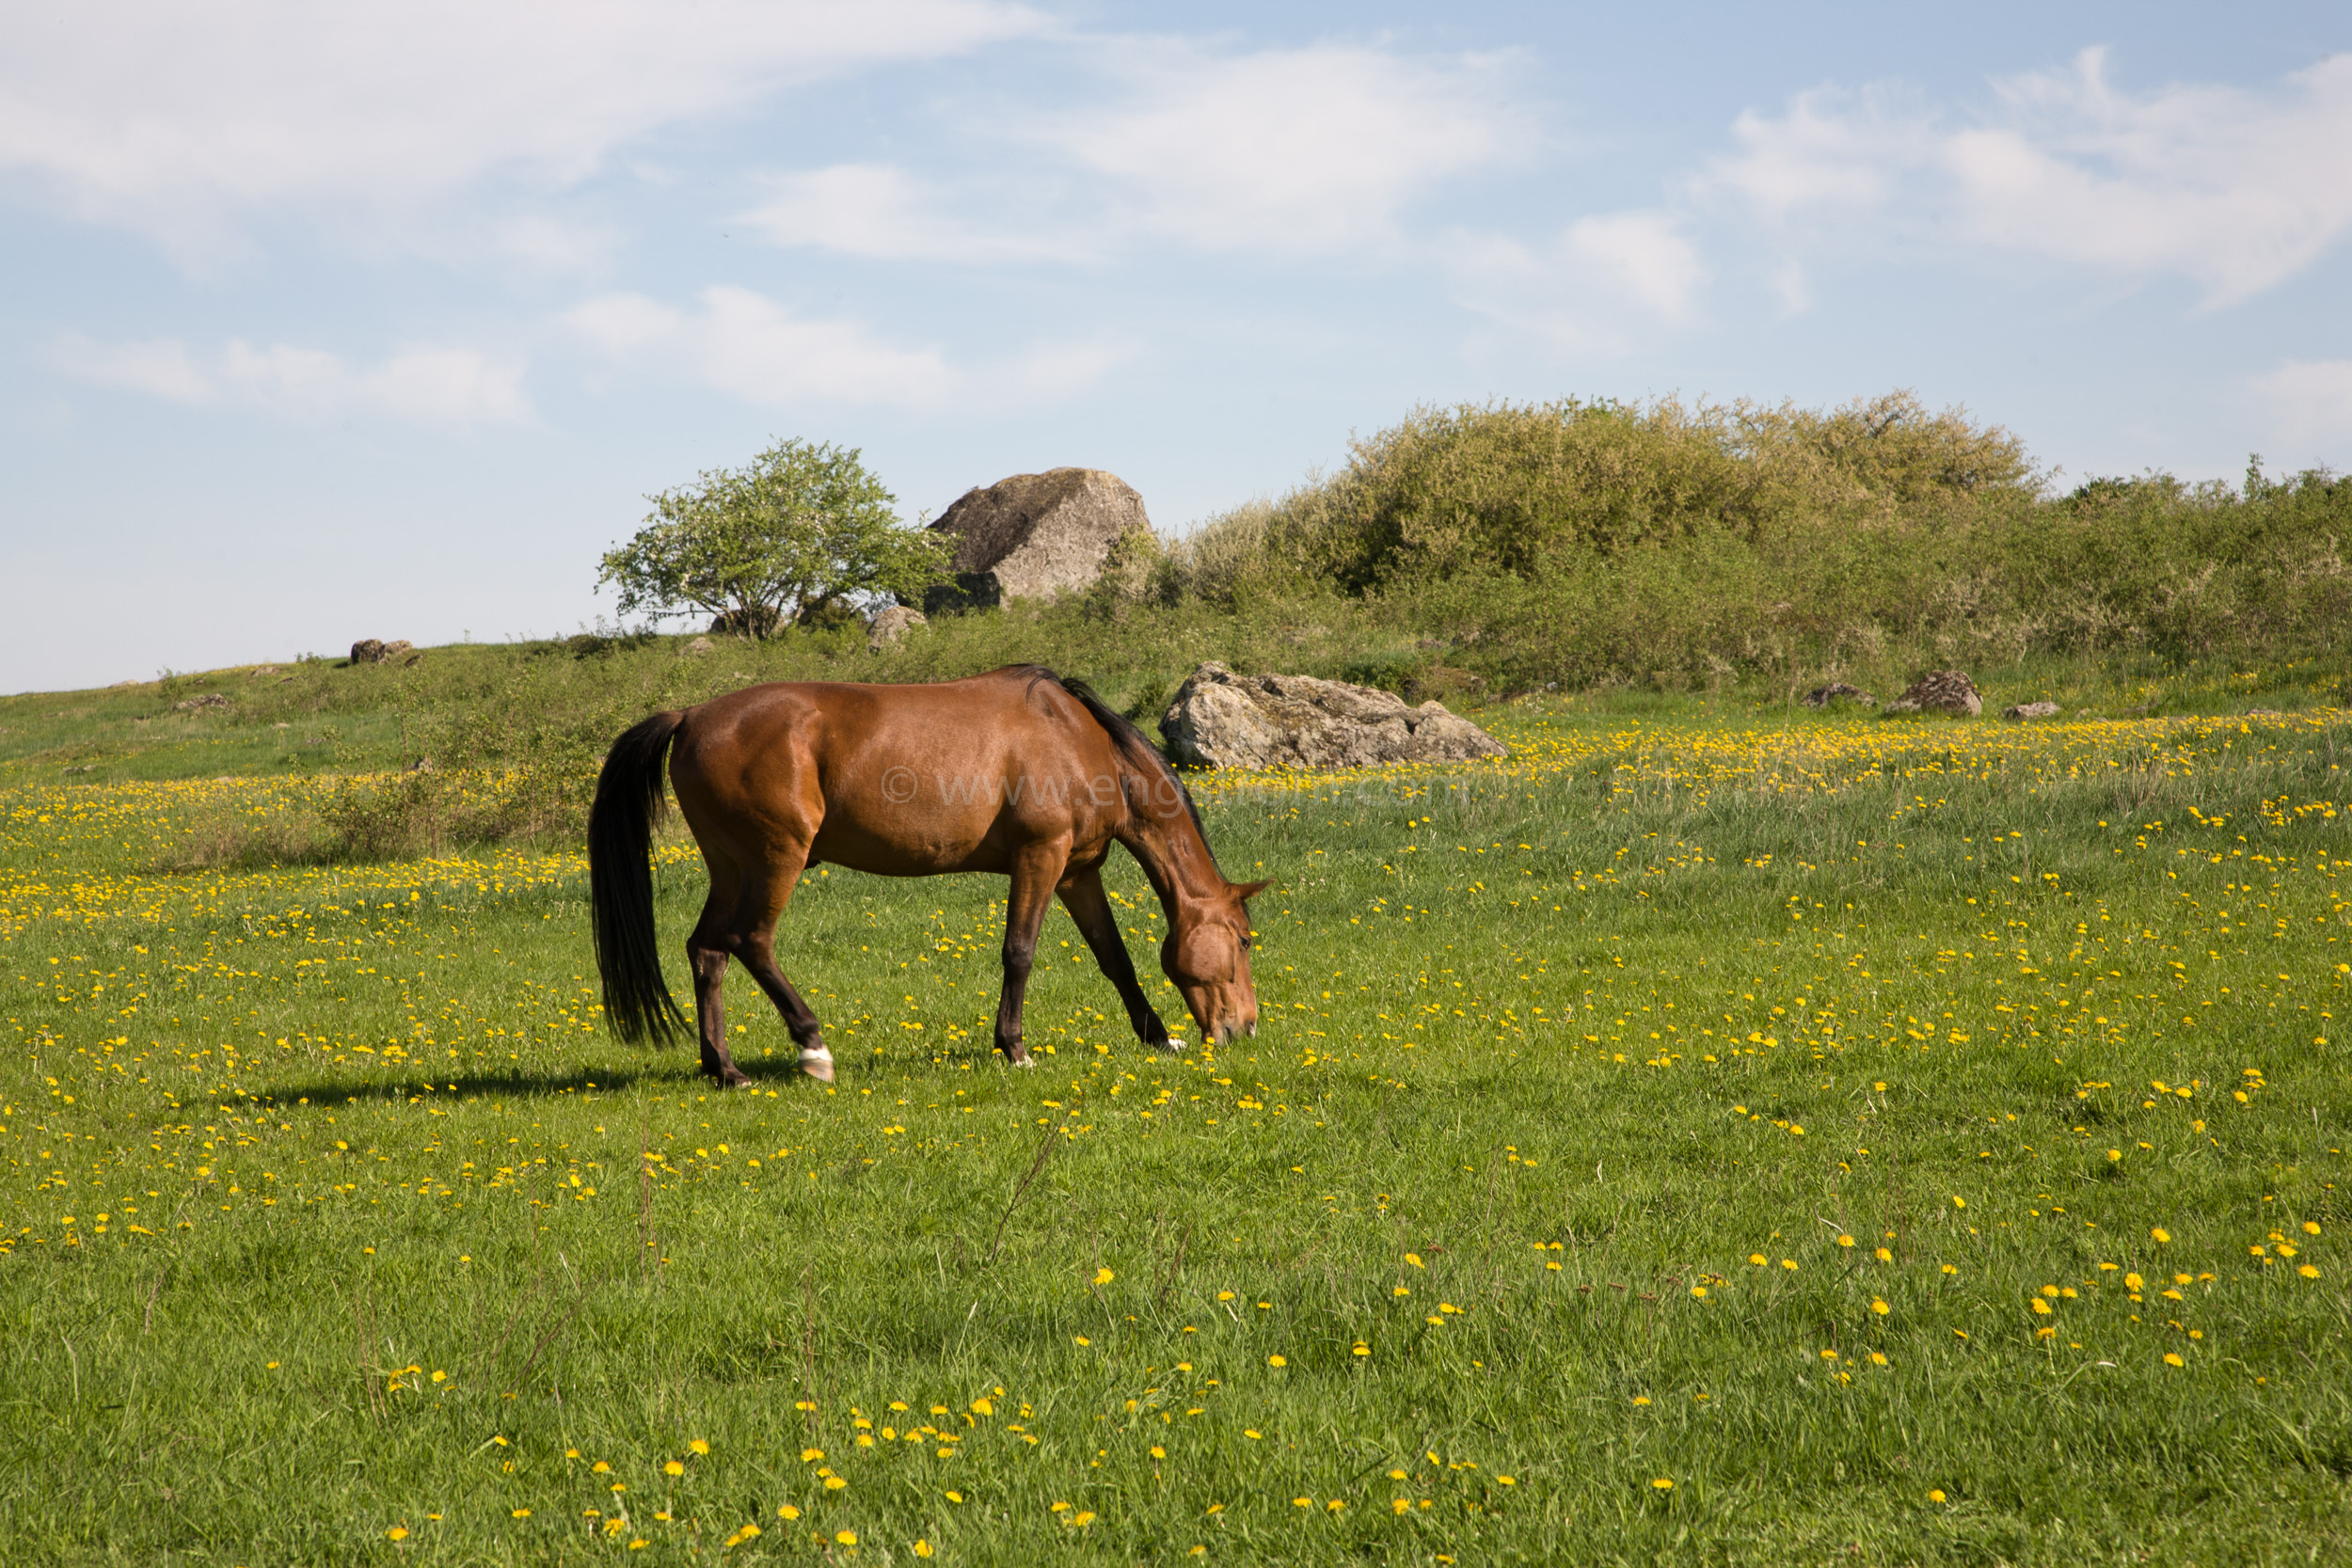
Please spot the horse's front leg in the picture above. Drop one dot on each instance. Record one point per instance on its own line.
(1035, 871)
(1082, 895)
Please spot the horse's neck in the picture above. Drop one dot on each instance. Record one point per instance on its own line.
(1175, 858)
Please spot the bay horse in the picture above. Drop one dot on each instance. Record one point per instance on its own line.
(1018, 771)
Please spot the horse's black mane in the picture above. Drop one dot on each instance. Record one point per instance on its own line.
(1124, 735)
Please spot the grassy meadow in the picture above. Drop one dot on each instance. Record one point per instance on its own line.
(1716, 1134)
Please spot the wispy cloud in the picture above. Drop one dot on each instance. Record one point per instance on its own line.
(1283, 151)
(887, 212)
(426, 386)
(2235, 189)
(178, 121)
(2308, 402)
(745, 344)
(1603, 284)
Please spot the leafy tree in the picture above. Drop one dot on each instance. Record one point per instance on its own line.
(790, 537)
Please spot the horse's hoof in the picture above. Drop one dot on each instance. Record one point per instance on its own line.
(818, 1067)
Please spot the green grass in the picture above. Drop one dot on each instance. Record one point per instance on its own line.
(345, 1105)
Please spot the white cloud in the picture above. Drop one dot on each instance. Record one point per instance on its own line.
(174, 120)
(748, 346)
(883, 211)
(161, 369)
(2235, 189)
(1604, 284)
(2309, 400)
(1291, 151)
(425, 385)
(1832, 148)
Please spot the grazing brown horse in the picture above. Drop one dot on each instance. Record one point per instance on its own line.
(1017, 771)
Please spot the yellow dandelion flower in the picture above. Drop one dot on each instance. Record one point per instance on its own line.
(673, 1467)
(2172, 1358)
(847, 1537)
(922, 1547)
(1877, 1305)
(1276, 1361)
(1664, 1484)
(1103, 1276)
(2160, 1233)
(786, 1511)
(522, 1513)
(1758, 1258)
(1936, 1496)
(700, 1445)
(2308, 1270)
(1845, 1240)
(2040, 1308)
(955, 1497)
(398, 1532)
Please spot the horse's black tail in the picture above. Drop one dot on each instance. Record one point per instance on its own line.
(629, 801)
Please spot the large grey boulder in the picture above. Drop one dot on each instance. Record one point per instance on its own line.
(1034, 536)
(1221, 719)
(1940, 692)
(891, 624)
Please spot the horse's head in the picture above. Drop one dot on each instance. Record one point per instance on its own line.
(1207, 956)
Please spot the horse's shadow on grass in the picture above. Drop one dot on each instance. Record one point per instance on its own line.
(519, 1086)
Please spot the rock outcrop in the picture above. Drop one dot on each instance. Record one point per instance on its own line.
(1822, 696)
(698, 647)
(889, 624)
(1034, 536)
(371, 650)
(1221, 719)
(2031, 710)
(1940, 692)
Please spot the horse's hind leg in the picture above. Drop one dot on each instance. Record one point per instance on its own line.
(706, 951)
(764, 900)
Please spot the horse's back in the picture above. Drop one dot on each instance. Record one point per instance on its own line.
(899, 780)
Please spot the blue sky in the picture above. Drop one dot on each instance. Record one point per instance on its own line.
(381, 320)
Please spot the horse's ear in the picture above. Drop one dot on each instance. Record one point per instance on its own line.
(1247, 891)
